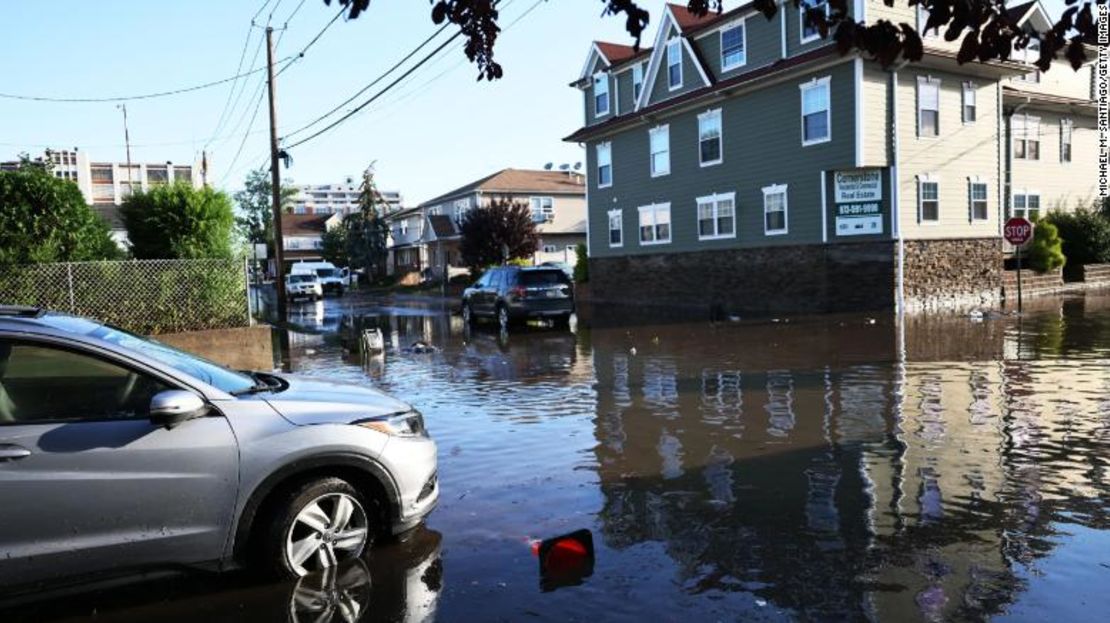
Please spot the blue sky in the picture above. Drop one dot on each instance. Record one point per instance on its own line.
(436, 130)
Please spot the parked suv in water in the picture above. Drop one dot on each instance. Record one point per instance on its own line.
(118, 452)
(511, 293)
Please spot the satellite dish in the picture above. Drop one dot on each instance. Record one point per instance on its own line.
(547, 167)
(564, 167)
(577, 166)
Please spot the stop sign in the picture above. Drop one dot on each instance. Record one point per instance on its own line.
(1017, 231)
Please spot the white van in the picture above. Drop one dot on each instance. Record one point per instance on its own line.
(332, 279)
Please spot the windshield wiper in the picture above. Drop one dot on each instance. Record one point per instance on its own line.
(260, 385)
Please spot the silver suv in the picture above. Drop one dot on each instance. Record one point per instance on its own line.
(118, 452)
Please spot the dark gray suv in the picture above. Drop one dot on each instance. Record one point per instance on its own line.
(119, 452)
(512, 293)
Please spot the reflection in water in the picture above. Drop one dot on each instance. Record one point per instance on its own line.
(829, 469)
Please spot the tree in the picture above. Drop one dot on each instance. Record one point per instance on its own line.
(1085, 234)
(989, 31)
(1045, 252)
(581, 263)
(177, 221)
(255, 221)
(46, 219)
(333, 246)
(496, 234)
(367, 232)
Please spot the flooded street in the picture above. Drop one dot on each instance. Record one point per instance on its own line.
(839, 468)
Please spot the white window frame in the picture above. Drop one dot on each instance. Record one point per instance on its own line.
(921, 181)
(1024, 134)
(709, 115)
(604, 159)
(922, 19)
(776, 189)
(823, 82)
(742, 25)
(461, 207)
(654, 210)
(619, 216)
(972, 182)
(969, 97)
(665, 130)
(802, 38)
(548, 217)
(637, 82)
(550, 248)
(930, 82)
(715, 201)
(1025, 194)
(602, 78)
(1067, 129)
(674, 44)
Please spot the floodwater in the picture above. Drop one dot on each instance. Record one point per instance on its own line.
(839, 468)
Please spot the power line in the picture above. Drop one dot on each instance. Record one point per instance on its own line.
(231, 91)
(311, 43)
(127, 98)
(242, 143)
(396, 81)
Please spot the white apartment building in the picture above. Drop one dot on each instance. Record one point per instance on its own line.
(341, 198)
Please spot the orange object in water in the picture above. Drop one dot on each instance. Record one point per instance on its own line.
(565, 560)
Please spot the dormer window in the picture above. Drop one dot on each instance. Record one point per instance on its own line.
(733, 48)
(810, 31)
(674, 64)
(1029, 56)
(601, 95)
(637, 80)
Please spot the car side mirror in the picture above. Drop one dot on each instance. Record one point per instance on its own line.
(174, 406)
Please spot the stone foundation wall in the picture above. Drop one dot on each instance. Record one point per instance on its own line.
(788, 279)
(952, 274)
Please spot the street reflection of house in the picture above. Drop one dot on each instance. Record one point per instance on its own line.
(881, 488)
(425, 239)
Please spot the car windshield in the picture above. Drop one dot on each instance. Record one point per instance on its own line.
(212, 373)
(325, 272)
(542, 277)
(301, 278)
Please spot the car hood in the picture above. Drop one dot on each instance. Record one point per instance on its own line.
(312, 401)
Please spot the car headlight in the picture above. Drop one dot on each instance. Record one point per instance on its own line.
(404, 424)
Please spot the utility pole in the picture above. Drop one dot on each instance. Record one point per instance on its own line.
(127, 144)
(275, 184)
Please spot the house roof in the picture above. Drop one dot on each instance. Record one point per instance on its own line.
(442, 225)
(514, 181)
(1018, 11)
(617, 53)
(689, 22)
(304, 224)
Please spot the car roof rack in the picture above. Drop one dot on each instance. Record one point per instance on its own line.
(21, 311)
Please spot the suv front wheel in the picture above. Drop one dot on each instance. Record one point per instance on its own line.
(316, 525)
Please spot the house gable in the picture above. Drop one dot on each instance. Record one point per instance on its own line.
(694, 76)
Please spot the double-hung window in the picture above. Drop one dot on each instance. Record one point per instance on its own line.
(928, 200)
(1026, 132)
(709, 137)
(717, 216)
(774, 209)
(604, 165)
(810, 31)
(660, 140)
(655, 224)
(616, 228)
(928, 106)
(1066, 126)
(543, 209)
(637, 81)
(1027, 205)
(977, 198)
(674, 64)
(816, 117)
(461, 208)
(601, 95)
(969, 102)
(733, 47)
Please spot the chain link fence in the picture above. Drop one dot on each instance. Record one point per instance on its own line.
(144, 296)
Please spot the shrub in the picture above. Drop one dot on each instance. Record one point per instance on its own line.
(1045, 251)
(1086, 235)
(179, 222)
(582, 265)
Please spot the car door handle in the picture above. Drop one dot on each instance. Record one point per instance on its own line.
(13, 453)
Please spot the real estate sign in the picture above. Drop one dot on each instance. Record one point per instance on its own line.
(858, 196)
